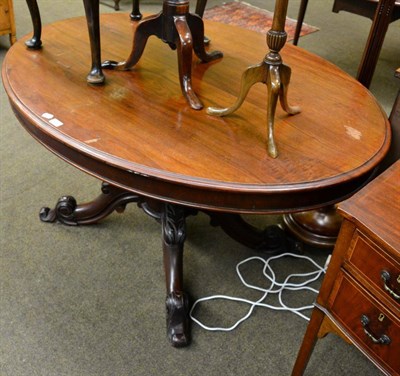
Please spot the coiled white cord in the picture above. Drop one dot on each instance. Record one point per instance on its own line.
(275, 288)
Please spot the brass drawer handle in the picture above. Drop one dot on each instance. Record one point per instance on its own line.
(385, 275)
(383, 340)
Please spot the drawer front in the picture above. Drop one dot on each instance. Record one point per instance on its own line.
(360, 314)
(376, 266)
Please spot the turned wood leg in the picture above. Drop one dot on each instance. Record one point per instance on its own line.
(319, 227)
(35, 42)
(95, 75)
(177, 302)
(135, 14)
(68, 212)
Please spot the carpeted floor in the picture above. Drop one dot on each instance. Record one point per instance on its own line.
(250, 17)
(89, 301)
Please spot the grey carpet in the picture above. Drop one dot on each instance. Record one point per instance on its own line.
(83, 301)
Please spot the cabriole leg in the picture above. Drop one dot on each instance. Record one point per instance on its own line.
(34, 42)
(95, 75)
(177, 302)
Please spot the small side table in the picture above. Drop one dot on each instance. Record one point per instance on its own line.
(7, 20)
(360, 296)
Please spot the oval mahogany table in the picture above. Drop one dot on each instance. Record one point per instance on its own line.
(139, 136)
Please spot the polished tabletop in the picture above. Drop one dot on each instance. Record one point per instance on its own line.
(138, 132)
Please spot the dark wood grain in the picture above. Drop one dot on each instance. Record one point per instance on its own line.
(348, 304)
(353, 287)
(377, 208)
(137, 131)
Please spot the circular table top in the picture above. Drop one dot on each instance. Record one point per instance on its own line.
(138, 132)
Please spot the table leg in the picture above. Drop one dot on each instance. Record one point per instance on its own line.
(177, 302)
(172, 218)
(309, 341)
(135, 14)
(68, 212)
(149, 26)
(271, 240)
(95, 75)
(300, 19)
(319, 227)
(35, 42)
(173, 222)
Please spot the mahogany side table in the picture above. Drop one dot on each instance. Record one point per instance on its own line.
(360, 296)
(139, 135)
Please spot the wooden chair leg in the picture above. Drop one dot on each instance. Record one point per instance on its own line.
(135, 14)
(92, 13)
(35, 42)
(12, 28)
(383, 16)
(200, 7)
(300, 19)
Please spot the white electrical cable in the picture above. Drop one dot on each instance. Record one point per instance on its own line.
(275, 288)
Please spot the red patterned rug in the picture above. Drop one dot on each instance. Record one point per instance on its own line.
(252, 18)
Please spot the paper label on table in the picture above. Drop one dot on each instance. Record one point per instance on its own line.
(48, 116)
(56, 122)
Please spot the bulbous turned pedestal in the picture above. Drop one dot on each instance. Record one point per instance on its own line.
(318, 227)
